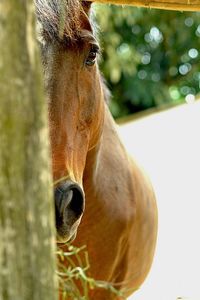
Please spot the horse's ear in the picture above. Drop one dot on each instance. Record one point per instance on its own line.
(85, 23)
(86, 6)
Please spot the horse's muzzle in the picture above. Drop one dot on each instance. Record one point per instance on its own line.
(69, 207)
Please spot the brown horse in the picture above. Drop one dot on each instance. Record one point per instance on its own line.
(95, 177)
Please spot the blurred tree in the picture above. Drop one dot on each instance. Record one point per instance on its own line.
(150, 57)
(27, 257)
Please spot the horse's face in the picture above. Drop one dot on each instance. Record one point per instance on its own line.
(75, 106)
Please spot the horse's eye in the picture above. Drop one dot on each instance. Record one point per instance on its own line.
(91, 59)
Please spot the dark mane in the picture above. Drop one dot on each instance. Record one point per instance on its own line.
(59, 18)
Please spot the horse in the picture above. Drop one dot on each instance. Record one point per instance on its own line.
(100, 191)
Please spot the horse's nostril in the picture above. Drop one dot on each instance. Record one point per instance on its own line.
(77, 201)
(66, 199)
(69, 200)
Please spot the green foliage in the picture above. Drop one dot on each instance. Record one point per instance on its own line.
(150, 57)
(73, 276)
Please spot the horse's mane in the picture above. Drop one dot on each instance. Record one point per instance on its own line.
(59, 18)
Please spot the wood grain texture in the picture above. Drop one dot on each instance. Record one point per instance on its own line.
(27, 256)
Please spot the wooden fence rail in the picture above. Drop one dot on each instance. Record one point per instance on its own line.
(180, 5)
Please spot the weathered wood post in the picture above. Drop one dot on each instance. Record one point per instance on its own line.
(27, 256)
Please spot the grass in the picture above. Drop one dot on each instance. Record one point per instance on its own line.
(74, 281)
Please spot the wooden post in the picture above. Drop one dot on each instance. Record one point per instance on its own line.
(27, 254)
(180, 5)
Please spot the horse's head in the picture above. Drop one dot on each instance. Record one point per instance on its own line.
(75, 102)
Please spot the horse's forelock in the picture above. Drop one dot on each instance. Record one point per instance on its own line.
(59, 18)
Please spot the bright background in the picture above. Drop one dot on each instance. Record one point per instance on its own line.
(167, 145)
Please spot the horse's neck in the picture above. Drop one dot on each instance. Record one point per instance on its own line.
(108, 147)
